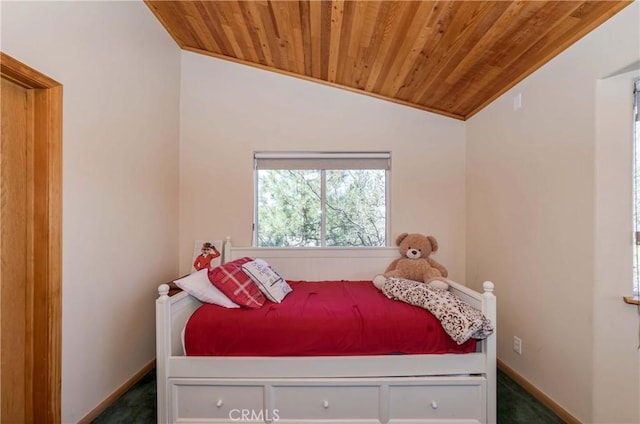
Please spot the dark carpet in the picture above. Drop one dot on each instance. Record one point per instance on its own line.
(515, 406)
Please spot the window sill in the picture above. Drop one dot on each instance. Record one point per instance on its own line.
(632, 300)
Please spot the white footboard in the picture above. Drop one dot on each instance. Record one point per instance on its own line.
(364, 389)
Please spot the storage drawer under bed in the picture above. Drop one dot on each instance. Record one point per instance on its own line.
(440, 401)
(325, 403)
(197, 400)
(394, 400)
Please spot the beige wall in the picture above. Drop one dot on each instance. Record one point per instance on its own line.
(228, 111)
(540, 207)
(120, 72)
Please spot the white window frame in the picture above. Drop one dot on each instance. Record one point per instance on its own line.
(323, 161)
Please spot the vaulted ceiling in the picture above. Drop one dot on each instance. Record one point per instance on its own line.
(447, 57)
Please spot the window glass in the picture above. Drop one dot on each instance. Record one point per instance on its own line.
(321, 199)
(355, 207)
(289, 208)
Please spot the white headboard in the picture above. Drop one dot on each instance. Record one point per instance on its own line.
(319, 263)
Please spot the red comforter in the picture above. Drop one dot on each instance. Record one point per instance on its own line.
(320, 319)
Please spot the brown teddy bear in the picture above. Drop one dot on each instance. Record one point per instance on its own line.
(415, 263)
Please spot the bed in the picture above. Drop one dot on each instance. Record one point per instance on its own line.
(413, 388)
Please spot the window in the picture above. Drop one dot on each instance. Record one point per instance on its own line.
(321, 199)
(636, 186)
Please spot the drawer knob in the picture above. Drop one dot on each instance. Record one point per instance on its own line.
(325, 404)
(434, 404)
(219, 403)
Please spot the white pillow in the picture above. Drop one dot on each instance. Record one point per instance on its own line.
(274, 287)
(199, 286)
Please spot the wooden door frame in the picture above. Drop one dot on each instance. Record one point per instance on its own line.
(44, 234)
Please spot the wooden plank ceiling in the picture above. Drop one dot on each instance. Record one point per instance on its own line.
(447, 57)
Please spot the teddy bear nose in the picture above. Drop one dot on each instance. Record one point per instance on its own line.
(414, 252)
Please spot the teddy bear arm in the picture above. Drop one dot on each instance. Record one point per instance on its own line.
(394, 273)
(392, 265)
(439, 267)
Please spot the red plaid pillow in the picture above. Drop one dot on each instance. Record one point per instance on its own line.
(231, 280)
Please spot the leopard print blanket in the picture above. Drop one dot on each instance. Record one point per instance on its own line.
(459, 319)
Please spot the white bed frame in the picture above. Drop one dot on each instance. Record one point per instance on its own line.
(445, 388)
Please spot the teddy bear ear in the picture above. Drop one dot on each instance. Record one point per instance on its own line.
(400, 238)
(434, 243)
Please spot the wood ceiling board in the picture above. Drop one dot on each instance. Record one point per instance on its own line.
(448, 57)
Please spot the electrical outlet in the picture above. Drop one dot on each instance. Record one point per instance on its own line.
(517, 345)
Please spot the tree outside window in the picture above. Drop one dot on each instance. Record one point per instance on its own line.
(322, 206)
